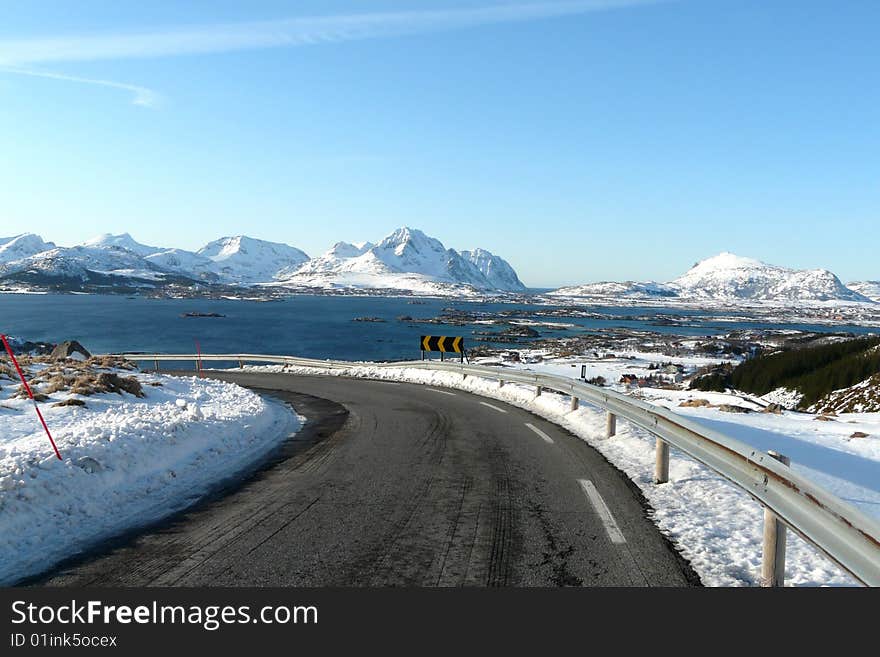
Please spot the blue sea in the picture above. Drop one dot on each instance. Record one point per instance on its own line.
(311, 326)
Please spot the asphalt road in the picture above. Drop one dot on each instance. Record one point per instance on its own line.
(404, 485)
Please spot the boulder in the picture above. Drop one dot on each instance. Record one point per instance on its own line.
(733, 408)
(70, 349)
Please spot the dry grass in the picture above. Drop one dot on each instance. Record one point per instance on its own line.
(78, 377)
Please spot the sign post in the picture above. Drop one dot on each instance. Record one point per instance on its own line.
(444, 344)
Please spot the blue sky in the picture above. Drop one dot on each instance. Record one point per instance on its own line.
(580, 140)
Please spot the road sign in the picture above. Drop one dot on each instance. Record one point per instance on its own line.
(443, 343)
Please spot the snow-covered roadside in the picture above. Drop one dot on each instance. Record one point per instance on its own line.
(716, 526)
(128, 461)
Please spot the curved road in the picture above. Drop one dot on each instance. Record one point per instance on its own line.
(400, 484)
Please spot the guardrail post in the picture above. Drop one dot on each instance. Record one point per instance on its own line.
(661, 462)
(240, 364)
(500, 383)
(773, 560)
(537, 391)
(610, 424)
(156, 363)
(574, 403)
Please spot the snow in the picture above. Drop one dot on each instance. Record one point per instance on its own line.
(715, 525)
(128, 462)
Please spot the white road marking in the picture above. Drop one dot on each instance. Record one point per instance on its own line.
(544, 436)
(604, 512)
(494, 408)
(442, 392)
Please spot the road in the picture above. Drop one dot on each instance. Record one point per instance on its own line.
(404, 485)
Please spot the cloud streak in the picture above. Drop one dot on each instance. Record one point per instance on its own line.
(28, 56)
(141, 95)
(285, 33)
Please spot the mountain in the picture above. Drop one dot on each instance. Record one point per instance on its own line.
(730, 278)
(246, 261)
(407, 259)
(870, 289)
(613, 289)
(80, 265)
(22, 246)
(123, 241)
(186, 263)
(497, 271)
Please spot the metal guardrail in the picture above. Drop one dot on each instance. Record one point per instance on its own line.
(837, 529)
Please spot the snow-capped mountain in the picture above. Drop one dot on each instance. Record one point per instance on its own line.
(22, 246)
(246, 261)
(186, 263)
(729, 278)
(81, 263)
(497, 271)
(407, 259)
(614, 289)
(870, 289)
(123, 241)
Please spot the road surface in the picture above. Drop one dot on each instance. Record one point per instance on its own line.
(404, 485)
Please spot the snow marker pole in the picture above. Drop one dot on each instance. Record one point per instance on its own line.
(30, 394)
(199, 361)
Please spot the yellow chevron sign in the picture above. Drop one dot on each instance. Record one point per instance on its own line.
(443, 343)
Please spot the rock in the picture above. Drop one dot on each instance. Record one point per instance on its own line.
(70, 402)
(859, 434)
(732, 408)
(776, 409)
(112, 382)
(70, 349)
(695, 403)
(824, 418)
(89, 464)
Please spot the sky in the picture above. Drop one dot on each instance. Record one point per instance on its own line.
(581, 141)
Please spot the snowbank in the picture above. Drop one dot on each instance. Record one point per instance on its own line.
(128, 462)
(715, 525)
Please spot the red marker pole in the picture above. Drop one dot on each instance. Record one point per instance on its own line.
(199, 353)
(30, 394)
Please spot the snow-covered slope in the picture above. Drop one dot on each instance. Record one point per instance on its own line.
(729, 278)
(22, 246)
(497, 270)
(407, 259)
(870, 289)
(245, 260)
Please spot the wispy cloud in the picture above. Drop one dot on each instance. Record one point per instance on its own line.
(20, 55)
(142, 95)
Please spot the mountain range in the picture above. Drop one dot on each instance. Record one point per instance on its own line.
(728, 278)
(407, 260)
